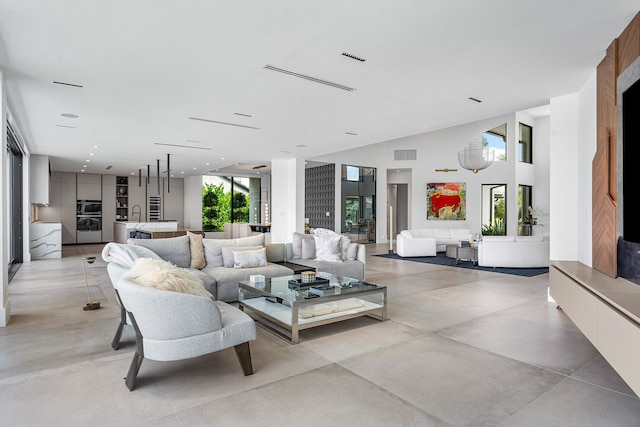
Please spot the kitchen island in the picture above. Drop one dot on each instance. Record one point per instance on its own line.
(45, 240)
(124, 230)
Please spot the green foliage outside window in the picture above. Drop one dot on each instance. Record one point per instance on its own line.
(216, 207)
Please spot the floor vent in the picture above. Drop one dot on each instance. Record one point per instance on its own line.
(405, 154)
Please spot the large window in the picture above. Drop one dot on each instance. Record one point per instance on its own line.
(496, 139)
(526, 218)
(359, 203)
(13, 171)
(227, 199)
(494, 209)
(525, 142)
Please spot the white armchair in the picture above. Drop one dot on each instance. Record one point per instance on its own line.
(175, 326)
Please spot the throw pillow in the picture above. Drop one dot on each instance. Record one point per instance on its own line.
(352, 252)
(197, 250)
(344, 245)
(213, 247)
(327, 248)
(228, 258)
(248, 259)
(296, 246)
(308, 249)
(160, 274)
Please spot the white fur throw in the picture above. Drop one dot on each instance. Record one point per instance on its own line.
(160, 274)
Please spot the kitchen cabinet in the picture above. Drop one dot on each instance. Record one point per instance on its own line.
(68, 207)
(89, 186)
(109, 203)
(39, 179)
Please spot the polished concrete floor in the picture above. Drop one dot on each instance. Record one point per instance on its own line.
(460, 348)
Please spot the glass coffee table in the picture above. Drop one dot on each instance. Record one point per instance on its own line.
(286, 306)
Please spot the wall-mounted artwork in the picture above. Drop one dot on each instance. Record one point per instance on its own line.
(447, 201)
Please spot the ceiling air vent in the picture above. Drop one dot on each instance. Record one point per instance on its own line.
(405, 154)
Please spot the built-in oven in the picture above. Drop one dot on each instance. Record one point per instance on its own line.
(88, 223)
(89, 208)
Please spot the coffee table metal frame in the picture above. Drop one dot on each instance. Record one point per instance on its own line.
(277, 307)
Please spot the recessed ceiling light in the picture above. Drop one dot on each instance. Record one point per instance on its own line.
(301, 145)
(63, 126)
(350, 133)
(81, 170)
(221, 158)
(181, 171)
(133, 173)
(96, 146)
(286, 152)
(474, 99)
(194, 168)
(192, 140)
(84, 166)
(207, 164)
(91, 154)
(242, 114)
(88, 161)
(70, 115)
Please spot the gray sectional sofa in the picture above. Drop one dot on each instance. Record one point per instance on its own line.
(218, 262)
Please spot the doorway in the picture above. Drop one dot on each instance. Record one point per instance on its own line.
(397, 208)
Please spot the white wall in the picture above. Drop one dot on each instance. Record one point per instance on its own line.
(439, 150)
(564, 177)
(587, 145)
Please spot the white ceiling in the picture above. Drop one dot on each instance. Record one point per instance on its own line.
(146, 66)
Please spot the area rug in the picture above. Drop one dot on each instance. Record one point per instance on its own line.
(441, 259)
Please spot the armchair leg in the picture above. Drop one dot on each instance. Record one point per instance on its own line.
(123, 321)
(130, 380)
(116, 338)
(244, 357)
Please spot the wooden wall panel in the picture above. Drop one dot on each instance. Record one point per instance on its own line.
(628, 45)
(604, 168)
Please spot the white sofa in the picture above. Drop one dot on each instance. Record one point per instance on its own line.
(514, 251)
(429, 241)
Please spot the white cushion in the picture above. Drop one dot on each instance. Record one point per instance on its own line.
(327, 248)
(308, 249)
(296, 246)
(251, 258)
(213, 247)
(352, 252)
(227, 253)
(424, 232)
(344, 246)
(442, 233)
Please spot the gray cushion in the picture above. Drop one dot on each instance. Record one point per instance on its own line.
(227, 278)
(173, 249)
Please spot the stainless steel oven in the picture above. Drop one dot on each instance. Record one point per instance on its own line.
(89, 208)
(88, 223)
